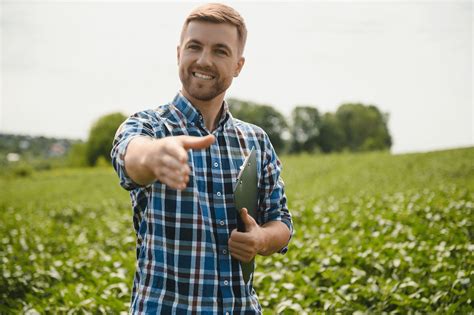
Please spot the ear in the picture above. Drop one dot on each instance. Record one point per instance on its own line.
(240, 65)
(178, 53)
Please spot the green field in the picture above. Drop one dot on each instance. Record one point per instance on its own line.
(374, 233)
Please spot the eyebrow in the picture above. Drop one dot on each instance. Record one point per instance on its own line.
(194, 41)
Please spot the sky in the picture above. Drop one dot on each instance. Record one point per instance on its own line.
(66, 63)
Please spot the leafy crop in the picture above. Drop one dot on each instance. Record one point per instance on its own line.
(374, 233)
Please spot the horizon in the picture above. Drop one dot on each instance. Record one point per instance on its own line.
(282, 154)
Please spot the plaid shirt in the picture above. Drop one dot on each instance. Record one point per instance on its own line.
(183, 263)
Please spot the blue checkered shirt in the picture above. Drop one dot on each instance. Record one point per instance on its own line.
(183, 263)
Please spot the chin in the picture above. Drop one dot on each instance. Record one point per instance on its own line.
(204, 94)
(204, 97)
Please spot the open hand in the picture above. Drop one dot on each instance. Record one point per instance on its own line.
(167, 160)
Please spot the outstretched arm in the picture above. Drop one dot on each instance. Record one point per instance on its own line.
(148, 160)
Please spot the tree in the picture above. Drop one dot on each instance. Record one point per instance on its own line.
(77, 155)
(365, 127)
(305, 129)
(331, 137)
(101, 136)
(264, 116)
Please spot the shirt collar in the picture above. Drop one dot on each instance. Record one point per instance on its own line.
(194, 116)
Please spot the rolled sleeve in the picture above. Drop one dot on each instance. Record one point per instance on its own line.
(137, 125)
(273, 202)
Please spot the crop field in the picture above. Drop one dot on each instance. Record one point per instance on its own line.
(375, 233)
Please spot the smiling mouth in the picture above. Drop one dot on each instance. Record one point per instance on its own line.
(203, 76)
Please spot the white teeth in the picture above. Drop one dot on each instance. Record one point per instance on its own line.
(202, 76)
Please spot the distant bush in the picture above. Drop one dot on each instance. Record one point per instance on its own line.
(101, 137)
(102, 162)
(43, 165)
(22, 170)
(77, 155)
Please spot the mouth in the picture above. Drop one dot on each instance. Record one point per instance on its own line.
(202, 76)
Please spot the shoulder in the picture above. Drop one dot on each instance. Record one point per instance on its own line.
(153, 116)
(254, 136)
(250, 130)
(157, 113)
(149, 121)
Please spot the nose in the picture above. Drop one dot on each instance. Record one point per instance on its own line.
(204, 59)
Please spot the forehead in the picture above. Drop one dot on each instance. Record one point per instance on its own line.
(211, 33)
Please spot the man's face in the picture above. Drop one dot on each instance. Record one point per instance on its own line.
(208, 59)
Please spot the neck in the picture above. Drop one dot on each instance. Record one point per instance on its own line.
(210, 110)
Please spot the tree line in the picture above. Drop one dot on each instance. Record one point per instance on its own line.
(353, 127)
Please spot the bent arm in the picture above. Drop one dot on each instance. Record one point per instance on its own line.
(276, 235)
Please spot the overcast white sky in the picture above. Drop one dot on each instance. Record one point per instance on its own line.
(64, 64)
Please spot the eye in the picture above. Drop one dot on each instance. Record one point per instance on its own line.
(193, 47)
(222, 52)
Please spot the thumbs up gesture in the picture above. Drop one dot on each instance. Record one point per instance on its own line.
(244, 246)
(165, 159)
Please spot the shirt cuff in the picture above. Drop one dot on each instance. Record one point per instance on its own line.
(125, 180)
(290, 227)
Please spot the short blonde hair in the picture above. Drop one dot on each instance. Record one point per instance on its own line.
(218, 13)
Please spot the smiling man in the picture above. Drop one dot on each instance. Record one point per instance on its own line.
(180, 162)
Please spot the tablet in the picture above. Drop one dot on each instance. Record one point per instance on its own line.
(245, 196)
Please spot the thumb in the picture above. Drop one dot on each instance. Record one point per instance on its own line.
(247, 218)
(190, 142)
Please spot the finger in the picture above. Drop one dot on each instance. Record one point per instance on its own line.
(247, 218)
(237, 236)
(240, 247)
(190, 142)
(177, 151)
(174, 165)
(242, 238)
(237, 256)
(175, 182)
(178, 175)
(241, 257)
(169, 175)
(238, 252)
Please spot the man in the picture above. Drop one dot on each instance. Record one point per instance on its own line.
(180, 162)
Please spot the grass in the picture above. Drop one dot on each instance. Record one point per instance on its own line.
(374, 233)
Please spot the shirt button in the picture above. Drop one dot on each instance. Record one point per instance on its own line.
(216, 164)
(192, 124)
(226, 282)
(221, 222)
(224, 251)
(218, 193)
